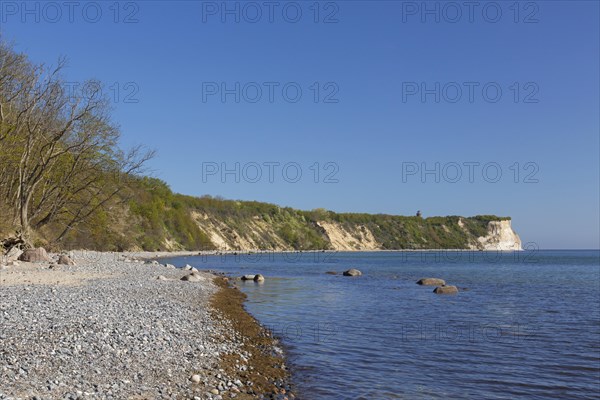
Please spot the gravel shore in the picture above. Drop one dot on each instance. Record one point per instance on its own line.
(109, 328)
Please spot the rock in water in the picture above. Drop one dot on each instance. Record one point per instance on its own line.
(445, 290)
(65, 260)
(431, 282)
(331, 273)
(35, 255)
(352, 272)
(248, 277)
(259, 278)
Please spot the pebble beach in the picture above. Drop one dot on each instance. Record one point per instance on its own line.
(123, 326)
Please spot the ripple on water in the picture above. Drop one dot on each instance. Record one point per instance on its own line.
(521, 330)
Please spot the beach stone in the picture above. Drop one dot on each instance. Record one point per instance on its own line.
(214, 391)
(431, 282)
(445, 290)
(188, 267)
(13, 254)
(248, 277)
(195, 378)
(65, 260)
(259, 278)
(35, 255)
(162, 278)
(192, 278)
(352, 272)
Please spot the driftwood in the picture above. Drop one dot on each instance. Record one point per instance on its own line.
(9, 243)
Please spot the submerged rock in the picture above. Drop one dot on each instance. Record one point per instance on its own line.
(35, 255)
(352, 272)
(431, 282)
(331, 273)
(445, 290)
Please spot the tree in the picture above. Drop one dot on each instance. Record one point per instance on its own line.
(60, 156)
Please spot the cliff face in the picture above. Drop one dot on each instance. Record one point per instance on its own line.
(291, 231)
(500, 236)
(344, 239)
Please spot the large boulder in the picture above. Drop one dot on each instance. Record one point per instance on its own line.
(352, 272)
(431, 282)
(248, 277)
(65, 260)
(35, 255)
(259, 278)
(445, 290)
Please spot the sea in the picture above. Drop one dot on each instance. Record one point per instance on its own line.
(523, 325)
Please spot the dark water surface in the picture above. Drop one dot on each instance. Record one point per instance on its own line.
(527, 327)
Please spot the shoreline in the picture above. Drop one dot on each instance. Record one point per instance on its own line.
(123, 328)
(260, 349)
(188, 253)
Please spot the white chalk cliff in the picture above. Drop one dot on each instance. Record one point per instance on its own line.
(500, 236)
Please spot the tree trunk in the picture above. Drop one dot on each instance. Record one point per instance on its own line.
(25, 229)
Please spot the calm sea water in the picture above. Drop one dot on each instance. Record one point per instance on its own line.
(526, 326)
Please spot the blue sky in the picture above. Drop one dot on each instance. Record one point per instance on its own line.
(387, 104)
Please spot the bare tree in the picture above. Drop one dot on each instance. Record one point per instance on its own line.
(60, 155)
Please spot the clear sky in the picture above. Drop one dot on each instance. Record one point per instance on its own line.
(389, 89)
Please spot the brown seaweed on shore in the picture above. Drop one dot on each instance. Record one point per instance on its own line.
(266, 370)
